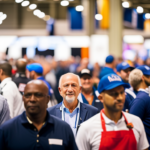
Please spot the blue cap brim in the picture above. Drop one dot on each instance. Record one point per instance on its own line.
(112, 86)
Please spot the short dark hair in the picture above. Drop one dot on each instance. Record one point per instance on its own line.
(7, 68)
(21, 65)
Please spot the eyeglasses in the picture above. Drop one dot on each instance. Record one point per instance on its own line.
(36, 95)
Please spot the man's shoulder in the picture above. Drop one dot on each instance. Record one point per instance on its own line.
(142, 95)
(51, 109)
(89, 107)
(132, 118)
(10, 124)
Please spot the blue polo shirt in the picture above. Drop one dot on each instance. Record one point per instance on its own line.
(141, 108)
(48, 85)
(19, 134)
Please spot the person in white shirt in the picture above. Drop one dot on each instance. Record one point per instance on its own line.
(10, 91)
(112, 129)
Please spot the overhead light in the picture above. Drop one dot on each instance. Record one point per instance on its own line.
(98, 17)
(79, 8)
(140, 9)
(1, 21)
(1, 13)
(32, 6)
(64, 3)
(46, 18)
(147, 15)
(18, 1)
(36, 12)
(41, 15)
(25, 3)
(3, 17)
(125, 4)
(71, 0)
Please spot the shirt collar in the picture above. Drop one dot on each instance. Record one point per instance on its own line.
(109, 121)
(76, 110)
(5, 81)
(25, 120)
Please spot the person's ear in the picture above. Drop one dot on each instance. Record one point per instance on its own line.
(80, 88)
(118, 73)
(48, 99)
(100, 97)
(1, 72)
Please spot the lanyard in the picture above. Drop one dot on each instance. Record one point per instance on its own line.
(77, 116)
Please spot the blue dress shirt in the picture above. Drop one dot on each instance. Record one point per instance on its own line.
(71, 118)
(19, 134)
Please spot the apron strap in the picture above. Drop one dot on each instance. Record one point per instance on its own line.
(103, 121)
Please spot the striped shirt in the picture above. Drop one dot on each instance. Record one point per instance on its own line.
(4, 110)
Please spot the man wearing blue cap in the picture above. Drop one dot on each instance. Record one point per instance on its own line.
(36, 72)
(109, 66)
(123, 70)
(112, 128)
(141, 105)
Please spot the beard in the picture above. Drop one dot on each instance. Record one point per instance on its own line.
(70, 99)
(147, 83)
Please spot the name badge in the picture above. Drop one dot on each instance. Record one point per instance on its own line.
(97, 100)
(55, 142)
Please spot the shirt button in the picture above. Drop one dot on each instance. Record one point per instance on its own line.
(37, 141)
(37, 135)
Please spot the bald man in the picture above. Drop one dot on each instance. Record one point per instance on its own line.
(70, 109)
(36, 128)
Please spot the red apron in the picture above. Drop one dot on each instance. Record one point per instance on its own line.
(117, 140)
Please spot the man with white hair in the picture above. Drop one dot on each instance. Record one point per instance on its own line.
(70, 109)
(140, 79)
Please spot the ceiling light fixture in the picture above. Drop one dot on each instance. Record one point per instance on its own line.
(98, 17)
(18, 1)
(147, 15)
(41, 15)
(64, 3)
(32, 6)
(125, 4)
(139, 9)
(1, 13)
(25, 3)
(79, 8)
(36, 12)
(3, 17)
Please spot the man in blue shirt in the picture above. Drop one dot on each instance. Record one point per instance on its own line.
(141, 105)
(123, 70)
(36, 72)
(88, 91)
(70, 109)
(36, 129)
(109, 66)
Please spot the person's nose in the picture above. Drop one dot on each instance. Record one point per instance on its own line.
(32, 98)
(70, 88)
(120, 96)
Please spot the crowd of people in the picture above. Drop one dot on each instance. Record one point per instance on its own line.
(73, 105)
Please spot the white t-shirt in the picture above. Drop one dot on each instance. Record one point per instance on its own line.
(13, 96)
(89, 134)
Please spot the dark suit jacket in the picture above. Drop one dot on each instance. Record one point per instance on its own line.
(86, 111)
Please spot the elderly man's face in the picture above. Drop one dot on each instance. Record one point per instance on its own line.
(69, 88)
(35, 97)
(113, 99)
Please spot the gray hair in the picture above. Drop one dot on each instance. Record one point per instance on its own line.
(135, 78)
(79, 81)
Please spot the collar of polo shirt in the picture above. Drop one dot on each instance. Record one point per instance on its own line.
(31, 121)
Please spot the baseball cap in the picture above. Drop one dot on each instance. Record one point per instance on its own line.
(109, 59)
(85, 72)
(110, 81)
(35, 67)
(145, 69)
(123, 66)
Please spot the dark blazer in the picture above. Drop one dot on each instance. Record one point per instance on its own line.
(86, 111)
